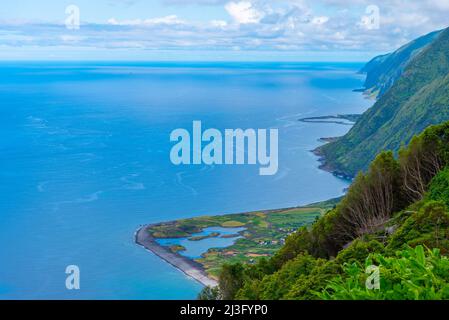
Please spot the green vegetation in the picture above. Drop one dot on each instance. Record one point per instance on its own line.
(439, 190)
(264, 233)
(413, 274)
(394, 217)
(428, 226)
(383, 71)
(419, 97)
(177, 248)
(199, 238)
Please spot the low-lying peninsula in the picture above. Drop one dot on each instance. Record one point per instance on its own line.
(343, 119)
(188, 266)
(262, 234)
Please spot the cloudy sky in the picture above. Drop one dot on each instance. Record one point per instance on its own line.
(301, 30)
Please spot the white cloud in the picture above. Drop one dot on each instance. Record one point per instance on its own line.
(167, 20)
(243, 12)
(290, 25)
(72, 38)
(218, 23)
(320, 20)
(339, 36)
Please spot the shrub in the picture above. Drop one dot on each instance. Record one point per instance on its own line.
(429, 226)
(439, 187)
(414, 274)
(209, 293)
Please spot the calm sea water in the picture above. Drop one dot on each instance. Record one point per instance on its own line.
(84, 161)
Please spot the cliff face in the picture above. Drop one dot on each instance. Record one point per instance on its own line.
(417, 99)
(383, 71)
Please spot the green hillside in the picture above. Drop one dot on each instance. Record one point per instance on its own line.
(417, 99)
(395, 218)
(383, 71)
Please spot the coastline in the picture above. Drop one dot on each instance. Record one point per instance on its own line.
(256, 223)
(197, 271)
(186, 265)
(342, 119)
(336, 119)
(324, 165)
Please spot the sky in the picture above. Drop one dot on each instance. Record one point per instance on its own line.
(207, 30)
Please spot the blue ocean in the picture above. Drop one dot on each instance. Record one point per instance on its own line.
(85, 160)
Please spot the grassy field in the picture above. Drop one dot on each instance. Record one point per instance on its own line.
(265, 232)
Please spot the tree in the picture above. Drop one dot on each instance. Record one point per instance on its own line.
(209, 293)
(371, 200)
(425, 156)
(231, 280)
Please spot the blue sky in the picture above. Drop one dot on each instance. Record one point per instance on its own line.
(243, 30)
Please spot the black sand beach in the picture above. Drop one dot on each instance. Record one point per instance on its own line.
(189, 267)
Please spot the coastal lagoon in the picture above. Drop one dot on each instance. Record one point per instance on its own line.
(85, 162)
(199, 243)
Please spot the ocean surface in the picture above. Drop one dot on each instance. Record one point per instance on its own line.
(84, 161)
